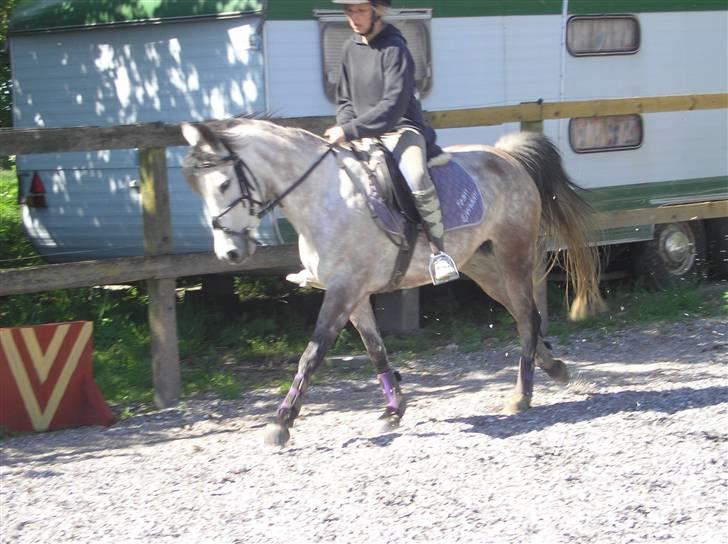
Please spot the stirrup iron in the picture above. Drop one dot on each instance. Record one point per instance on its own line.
(442, 268)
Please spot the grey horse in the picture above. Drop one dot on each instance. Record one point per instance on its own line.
(242, 167)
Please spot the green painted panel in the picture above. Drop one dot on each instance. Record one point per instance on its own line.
(584, 7)
(303, 9)
(32, 15)
(643, 195)
(288, 233)
(624, 234)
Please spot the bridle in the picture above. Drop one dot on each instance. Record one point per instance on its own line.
(248, 184)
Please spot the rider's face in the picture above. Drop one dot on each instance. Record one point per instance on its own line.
(360, 17)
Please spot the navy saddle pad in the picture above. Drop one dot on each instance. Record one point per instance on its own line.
(461, 202)
(460, 199)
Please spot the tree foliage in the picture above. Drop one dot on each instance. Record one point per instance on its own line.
(6, 103)
(6, 7)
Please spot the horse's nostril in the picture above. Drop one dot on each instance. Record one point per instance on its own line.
(234, 255)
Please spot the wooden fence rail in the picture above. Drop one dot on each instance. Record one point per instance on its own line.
(159, 267)
(56, 140)
(35, 279)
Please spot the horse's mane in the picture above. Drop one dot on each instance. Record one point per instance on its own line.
(225, 129)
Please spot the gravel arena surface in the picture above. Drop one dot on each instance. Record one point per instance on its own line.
(635, 449)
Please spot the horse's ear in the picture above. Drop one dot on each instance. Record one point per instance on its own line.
(200, 135)
(191, 134)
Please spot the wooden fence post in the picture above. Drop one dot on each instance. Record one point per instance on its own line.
(162, 296)
(398, 311)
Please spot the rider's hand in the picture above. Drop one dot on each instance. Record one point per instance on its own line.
(335, 135)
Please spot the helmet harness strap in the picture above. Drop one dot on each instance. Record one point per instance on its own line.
(375, 18)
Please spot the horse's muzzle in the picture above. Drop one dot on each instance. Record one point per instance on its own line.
(234, 256)
(232, 249)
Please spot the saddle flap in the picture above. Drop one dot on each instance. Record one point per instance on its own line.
(376, 190)
(388, 171)
(385, 176)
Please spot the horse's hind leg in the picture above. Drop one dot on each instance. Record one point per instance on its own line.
(363, 319)
(528, 323)
(334, 313)
(483, 270)
(555, 368)
(508, 280)
(540, 288)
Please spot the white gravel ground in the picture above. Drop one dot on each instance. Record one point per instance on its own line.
(634, 450)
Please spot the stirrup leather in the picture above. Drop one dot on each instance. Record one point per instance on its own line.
(442, 268)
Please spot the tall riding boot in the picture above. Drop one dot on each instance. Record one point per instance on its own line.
(442, 267)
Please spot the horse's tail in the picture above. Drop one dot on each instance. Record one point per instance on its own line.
(565, 216)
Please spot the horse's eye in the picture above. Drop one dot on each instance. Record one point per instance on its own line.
(225, 185)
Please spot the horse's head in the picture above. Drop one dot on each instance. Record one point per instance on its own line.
(221, 178)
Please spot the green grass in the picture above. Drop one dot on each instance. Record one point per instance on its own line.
(630, 304)
(256, 340)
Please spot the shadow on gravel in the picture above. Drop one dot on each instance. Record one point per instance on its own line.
(382, 440)
(596, 406)
(70, 446)
(491, 372)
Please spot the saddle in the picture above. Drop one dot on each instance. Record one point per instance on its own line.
(374, 171)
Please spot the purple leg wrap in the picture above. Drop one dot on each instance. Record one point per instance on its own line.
(388, 382)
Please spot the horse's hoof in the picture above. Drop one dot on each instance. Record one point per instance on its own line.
(517, 404)
(558, 372)
(276, 434)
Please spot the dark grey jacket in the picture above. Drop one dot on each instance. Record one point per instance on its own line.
(376, 89)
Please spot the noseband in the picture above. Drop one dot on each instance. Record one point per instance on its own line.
(248, 184)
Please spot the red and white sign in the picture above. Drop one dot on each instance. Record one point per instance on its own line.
(46, 379)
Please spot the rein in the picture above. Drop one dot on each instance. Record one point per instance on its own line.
(276, 201)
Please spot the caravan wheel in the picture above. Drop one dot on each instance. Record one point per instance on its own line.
(675, 256)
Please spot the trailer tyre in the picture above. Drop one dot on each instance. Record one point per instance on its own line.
(675, 256)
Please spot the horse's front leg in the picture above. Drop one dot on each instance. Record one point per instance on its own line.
(363, 319)
(334, 313)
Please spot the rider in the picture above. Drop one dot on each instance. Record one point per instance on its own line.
(376, 99)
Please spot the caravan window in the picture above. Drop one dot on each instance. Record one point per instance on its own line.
(414, 25)
(612, 35)
(608, 133)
